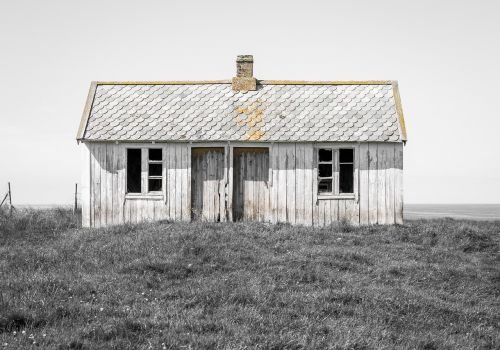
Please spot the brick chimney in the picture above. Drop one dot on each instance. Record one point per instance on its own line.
(244, 80)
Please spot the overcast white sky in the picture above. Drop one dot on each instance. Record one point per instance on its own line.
(445, 55)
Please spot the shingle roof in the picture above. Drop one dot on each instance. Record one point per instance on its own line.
(212, 111)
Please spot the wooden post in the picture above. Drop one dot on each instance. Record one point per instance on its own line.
(10, 200)
(4, 198)
(76, 199)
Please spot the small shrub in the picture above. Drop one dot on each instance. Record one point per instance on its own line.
(14, 321)
(473, 241)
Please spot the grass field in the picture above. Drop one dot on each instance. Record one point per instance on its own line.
(423, 285)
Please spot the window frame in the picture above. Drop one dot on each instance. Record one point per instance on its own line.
(335, 194)
(145, 193)
(332, 177)
(154, 177)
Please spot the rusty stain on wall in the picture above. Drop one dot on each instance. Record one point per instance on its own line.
(251, 116)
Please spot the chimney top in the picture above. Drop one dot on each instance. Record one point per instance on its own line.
(244, 80)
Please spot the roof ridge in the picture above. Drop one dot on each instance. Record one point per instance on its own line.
(262, 82)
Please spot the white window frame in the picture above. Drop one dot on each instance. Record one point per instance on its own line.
(154, 177)
(335, 194)
(145, 193)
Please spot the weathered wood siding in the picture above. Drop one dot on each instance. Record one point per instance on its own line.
(104, 200)
(290, 189)
(251, 184)
(207, 184)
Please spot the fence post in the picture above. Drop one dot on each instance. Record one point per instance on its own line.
(76, 199)
(4, 198)
(10, 200)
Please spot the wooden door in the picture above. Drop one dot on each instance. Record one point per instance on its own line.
(251, 184)
(208, 201)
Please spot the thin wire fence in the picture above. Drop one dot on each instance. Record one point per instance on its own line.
(72, 200)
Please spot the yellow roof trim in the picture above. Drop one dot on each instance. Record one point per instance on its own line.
(86, 111)
(263, 82)
(399, 108)
(308, 82)
(175, 82)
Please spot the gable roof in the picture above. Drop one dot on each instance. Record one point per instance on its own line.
(278, 111)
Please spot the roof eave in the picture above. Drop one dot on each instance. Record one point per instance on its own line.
(399, 108)
(86, 111)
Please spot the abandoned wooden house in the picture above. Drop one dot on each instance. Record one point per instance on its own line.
(299, 152)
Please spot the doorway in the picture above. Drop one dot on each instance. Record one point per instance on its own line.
(207, 184)
(251, 184)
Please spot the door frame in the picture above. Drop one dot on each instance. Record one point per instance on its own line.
(217, 144)
(228, 167)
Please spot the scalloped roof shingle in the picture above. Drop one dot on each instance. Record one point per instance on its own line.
(278, 112)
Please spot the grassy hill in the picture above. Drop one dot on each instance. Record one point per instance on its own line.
(424, 285)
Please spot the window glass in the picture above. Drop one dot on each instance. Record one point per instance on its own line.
(346, 177)
(155, 154)
(325, 155)
(346, 171)
(154, 185)
(325, 170)
(325, 186)
(134, 170)
(346, 155)
(155, 168)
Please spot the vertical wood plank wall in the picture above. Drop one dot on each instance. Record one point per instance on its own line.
(251, 184)
(207, 184)
(292, 183)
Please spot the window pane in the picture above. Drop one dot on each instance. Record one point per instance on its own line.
(155, 169)
(325, 155)
(325, 186)
(325, 170)
(155, 154)
(346, 178)
(154, 185)
(134, 170)
(346, 155)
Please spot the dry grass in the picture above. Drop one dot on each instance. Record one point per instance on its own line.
(424, 285)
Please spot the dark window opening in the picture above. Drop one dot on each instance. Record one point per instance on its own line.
(325, 170)
(134, 170)
(154, 185)
(325, 186)
(325, 155)
(346, 171)
(155, 154)
(346, 155)
(155, 169)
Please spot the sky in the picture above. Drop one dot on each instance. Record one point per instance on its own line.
(444, 54)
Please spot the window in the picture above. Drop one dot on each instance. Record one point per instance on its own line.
(144, 170)
(346, 170)
(335, 171)
(155, 167)
(134, 170)
(325, 170)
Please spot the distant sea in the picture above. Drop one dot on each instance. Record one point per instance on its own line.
(456, 211)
